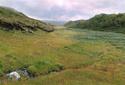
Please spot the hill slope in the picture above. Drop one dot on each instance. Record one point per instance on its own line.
(11, 19)
(102, 22)
(74, 24)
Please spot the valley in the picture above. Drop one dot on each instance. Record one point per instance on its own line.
(87, 57)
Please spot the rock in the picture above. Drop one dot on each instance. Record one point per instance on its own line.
(14, 75)
(24, 73)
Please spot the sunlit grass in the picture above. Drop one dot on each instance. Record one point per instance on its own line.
(88, 57)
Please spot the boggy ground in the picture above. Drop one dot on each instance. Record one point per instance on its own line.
(87, 57)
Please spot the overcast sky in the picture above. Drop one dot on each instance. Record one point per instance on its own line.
(65, 9)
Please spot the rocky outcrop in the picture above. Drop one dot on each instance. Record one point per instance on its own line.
(14, 20)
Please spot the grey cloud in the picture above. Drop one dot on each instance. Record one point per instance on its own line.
(67, 9)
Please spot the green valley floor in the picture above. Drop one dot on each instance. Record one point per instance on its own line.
(87, 57)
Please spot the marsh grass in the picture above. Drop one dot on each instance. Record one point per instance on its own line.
(88, 57)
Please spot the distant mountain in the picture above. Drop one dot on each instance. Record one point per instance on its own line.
(102, 22)
(11, 19)
(55, 22)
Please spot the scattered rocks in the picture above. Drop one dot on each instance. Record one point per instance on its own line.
(19, 74)
(23, 72)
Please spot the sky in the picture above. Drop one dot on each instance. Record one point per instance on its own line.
(62, 10)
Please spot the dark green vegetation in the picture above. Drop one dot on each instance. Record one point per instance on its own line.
(43, 68)
(75, 24)
(11, 19)
(102, 22)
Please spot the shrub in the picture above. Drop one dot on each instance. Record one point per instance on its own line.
(1, 69)
(44, 67)
(56, 68)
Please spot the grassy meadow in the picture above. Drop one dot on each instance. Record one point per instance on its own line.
(87, 57)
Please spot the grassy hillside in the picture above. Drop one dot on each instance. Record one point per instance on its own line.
(64, 57)
(102, 22)
(11, 19)
(75, 24)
